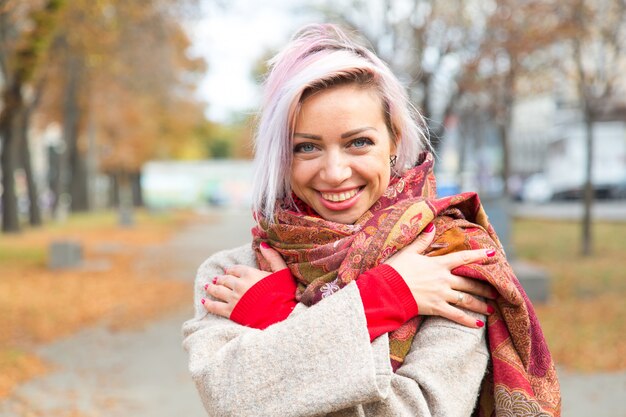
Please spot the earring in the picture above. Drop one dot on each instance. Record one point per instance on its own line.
(392, 160)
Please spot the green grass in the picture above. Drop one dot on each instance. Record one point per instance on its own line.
(27, 248)
(31, 256)
(557, 245)
(109, 218)
(585, 319)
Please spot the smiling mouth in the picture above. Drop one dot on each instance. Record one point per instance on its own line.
(339, 197)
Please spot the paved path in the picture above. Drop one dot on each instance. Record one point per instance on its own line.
(604, 210)
(132, 373)
(144, 373)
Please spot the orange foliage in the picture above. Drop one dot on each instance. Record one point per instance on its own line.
(136, 81)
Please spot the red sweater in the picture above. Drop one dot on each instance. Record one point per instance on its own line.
(387, 300)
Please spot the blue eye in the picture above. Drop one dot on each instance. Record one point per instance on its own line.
(361, 142)
(304, 148)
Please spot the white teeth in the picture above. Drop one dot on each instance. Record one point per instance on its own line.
(337, 197)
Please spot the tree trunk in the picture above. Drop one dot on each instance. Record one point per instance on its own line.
(10, 218)
(34, 211)
(9, 130)
(587, 241)
(56, 155)
(114, 191)
(137, 191)
(78, 181)
(505, 142)
(76, 164)
(125, 208)
(587, 112)
(26, 59)
(504, 126)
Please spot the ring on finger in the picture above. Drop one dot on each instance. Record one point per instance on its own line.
(460, 296)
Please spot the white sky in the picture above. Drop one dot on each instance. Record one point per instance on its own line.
(232, 38)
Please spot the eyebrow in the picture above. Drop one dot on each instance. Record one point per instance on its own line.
(343, 135)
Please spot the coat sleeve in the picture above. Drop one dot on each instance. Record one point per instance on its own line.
(320, 361)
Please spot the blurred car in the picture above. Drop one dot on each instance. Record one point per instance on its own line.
(536, 189)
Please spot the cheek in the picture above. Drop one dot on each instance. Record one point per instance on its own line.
(385, 174)
(379, 176)
(298, 177)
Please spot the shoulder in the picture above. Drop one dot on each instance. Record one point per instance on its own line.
(242, 255)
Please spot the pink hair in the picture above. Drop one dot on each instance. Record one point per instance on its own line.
(321, 56)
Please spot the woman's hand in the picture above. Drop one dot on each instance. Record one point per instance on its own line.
(229, 288)
(436, 290)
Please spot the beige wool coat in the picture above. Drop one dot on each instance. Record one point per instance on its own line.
(320, 362)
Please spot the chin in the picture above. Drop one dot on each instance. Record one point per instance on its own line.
(344, 218)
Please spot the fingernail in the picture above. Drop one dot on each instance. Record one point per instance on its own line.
(214, 280)
(429, 228)
(490, 309)
(264, 245)
(491, 253)
(206, 287)
(479, 323)
(203, 301)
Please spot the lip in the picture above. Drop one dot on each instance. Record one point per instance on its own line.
(340, 205)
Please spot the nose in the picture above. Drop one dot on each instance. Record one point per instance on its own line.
(335, 168)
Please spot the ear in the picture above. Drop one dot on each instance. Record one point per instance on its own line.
(394, 138)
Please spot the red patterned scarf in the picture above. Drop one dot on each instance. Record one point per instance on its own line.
(325, 256)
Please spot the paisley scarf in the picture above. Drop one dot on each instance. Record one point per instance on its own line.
(324, 257)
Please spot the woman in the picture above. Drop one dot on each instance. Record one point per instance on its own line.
(334, 309)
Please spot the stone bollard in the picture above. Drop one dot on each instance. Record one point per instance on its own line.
(499, 212)
(65, 254)
(534, 280)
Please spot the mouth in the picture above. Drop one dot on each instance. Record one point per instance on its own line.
(339, 201)
(339, 197)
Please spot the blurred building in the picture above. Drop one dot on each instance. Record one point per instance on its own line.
(178, 184)
(548, 150)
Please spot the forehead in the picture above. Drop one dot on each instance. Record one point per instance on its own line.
(349, 103)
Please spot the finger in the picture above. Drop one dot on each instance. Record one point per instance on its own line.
(272, 256)
(471, 303)
(474, 287)
(424, 239)
(219, 292)
(227, 281)
(217, 307)
(465, 257)
(459, 316)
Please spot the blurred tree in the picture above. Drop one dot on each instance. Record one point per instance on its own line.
(511, 62)
(220, 148)
(231, 140)
(127, 88)
(27, 31)
(597, 51)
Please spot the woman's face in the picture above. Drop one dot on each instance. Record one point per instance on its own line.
(341, 150)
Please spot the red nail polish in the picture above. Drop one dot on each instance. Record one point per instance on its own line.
(206, 287)
(429, 228)
(490, 309)
(479, 323)
(264, 245)
(491, 253)
(214, 280)
(203, 301)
